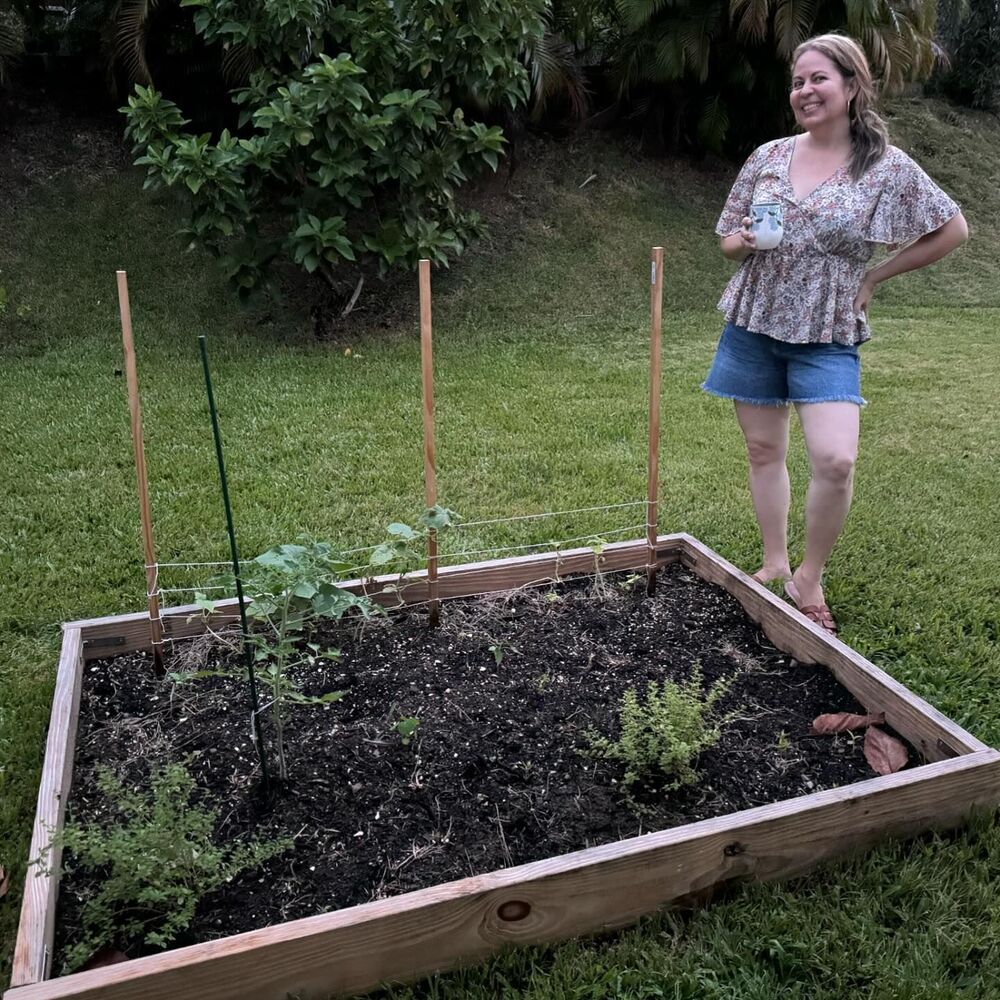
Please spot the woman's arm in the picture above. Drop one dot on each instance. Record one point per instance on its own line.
(919, 254)
(739, 245)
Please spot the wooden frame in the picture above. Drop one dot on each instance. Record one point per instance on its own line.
(354, 949)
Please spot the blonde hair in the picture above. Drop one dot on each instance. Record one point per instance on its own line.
(869, 135)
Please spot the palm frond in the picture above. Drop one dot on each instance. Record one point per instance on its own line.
(696, 34)
(668, 59)
(637, 14)
(751, 18)
(713, 123)
(11, 43)
(793, 23)
(860, 13)
(238, 63)
(556, 75)
(741, 74)
(131, 19)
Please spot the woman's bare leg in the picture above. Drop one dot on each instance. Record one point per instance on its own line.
(765, 429)
(831, 433)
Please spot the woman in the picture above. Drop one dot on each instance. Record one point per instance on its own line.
(797, 313)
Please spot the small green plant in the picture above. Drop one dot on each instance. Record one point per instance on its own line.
(292, 587)
(156, 859)
(400, 552)
(784, 743)
(406, 728)
(666, 732)
(596, 544)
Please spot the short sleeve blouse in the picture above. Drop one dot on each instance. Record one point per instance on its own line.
(802, 291)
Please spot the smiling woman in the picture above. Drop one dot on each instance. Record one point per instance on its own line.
(796, 309)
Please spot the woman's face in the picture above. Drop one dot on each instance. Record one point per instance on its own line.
(819, 94)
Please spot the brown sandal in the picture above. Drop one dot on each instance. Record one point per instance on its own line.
(820, 614)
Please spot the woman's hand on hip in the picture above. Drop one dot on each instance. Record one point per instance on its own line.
(863, 297)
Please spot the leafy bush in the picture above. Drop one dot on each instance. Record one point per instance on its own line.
(666, 732)
(353, 133)
(157, 862)
(970, 32)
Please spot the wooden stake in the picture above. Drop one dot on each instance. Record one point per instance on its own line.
(430, 459)
(653, 465)
(142, 482)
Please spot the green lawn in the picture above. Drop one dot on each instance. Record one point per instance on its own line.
(541, 339)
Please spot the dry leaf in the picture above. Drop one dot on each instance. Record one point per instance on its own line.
(842, 722)
(108, 956)
(884, 752)
(4, 881)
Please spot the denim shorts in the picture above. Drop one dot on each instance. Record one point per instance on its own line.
(754, 368)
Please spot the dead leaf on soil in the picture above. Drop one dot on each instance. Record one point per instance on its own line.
(108, 956)
(884, 752)
(4, 881)
(843, 722)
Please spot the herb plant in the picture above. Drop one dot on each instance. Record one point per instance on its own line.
(664, 733)
(158, 860)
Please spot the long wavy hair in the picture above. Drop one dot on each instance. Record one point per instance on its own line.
(869, 135)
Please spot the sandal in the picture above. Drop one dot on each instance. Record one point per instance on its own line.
(819, 614)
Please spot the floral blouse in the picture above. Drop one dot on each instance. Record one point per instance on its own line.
(802, 291)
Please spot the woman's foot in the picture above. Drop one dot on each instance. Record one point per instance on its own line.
(807, 596)
(767, 574)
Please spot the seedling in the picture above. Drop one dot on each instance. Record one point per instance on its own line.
(406, 728)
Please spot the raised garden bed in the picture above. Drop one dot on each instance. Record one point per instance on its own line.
(705, 834)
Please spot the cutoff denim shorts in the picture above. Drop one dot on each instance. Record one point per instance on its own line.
(754, 368)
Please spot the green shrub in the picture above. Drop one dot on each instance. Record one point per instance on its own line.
(353, 138)
(665, 733)
(156, 862)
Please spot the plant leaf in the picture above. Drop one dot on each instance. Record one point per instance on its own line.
(843, 722)
(884, 752)
(4, 881)
(406, 728)
(400, 530)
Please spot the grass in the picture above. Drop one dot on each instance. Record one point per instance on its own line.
(541, 342)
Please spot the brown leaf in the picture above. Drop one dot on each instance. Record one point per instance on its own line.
(842, 722)
(4, 881)
(884, 752)
(107, 956)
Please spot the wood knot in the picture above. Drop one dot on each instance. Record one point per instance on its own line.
(513, 909)
(731, 850)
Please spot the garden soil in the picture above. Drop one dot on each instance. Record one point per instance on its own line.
(509, 692)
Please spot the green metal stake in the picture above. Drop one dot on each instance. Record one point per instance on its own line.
(251, 675)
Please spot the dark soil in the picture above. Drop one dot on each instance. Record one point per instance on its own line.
(506, 691)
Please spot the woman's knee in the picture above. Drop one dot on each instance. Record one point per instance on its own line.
(763, 452)
(836, 467)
